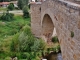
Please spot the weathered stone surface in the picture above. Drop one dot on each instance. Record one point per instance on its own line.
(65, 17)
(78, 24)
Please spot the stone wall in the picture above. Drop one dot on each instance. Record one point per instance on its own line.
(74, 1)
(65, 17)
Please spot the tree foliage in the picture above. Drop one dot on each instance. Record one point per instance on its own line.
(25, 12)
(22, 3)
(7, 16)
(29, 43)
(5, 0)
(11, 6)
(14, 46)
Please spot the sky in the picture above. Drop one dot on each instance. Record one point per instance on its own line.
(33, 0)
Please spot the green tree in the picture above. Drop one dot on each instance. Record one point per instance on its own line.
(11, 6)
(25, 12)
(5, 0)
(22, 3)
(28, 43)
(7, 16)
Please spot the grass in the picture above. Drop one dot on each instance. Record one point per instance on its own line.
(3, 9)
(12, 27)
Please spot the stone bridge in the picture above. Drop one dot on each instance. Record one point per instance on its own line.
(62, 15)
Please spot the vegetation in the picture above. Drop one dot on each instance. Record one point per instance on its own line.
(7, 16)
(25, 12)
(8, 30)
(55, 39)
(6, 0)
(56, 49)
(11, 6)
(22, 3)
(2, 9)
(16, 40)
(72, 34)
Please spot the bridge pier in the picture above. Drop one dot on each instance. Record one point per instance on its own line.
(36, 19)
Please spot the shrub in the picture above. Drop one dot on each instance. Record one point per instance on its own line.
(7, 16)
(59, 49)
(55, 39)
(12, 32)
(25, 42)
(38, 45)
(1, 47)
(54, 49)
(11, 6)
(25, 12)
(29, 6)
(25, 56)
(28, 42)
(7, 58)
(14, 46)
(72, 34)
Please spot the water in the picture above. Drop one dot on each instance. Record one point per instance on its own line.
(59, 56)
(54, 56)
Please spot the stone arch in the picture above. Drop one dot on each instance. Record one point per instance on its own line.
(48, 24)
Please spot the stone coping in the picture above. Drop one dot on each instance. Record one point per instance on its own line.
(69, 4)
(35, 2)
(66, 3)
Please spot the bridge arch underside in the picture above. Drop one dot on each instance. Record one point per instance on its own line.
(47, 26)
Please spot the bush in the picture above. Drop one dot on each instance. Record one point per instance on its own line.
(12, 32)
(28, 42)
(38, 45)
(7, 16)
(25, 12)
(11, 6)
(1, 47)
(14, 46)
(72, 34)
(29, 6)
(55, 39)
(7, 58)
(25, 42)
(25, 56)
(57, 49)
